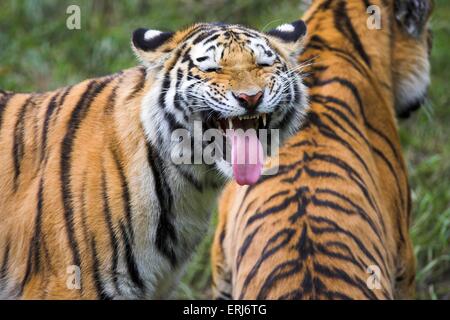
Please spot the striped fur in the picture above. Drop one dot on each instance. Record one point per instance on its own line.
(339, 208)
(86, 179)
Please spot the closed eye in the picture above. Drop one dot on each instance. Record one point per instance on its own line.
(212, 69)
(264, 65)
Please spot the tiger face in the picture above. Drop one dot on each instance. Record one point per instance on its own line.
(411, 54)
(225, 78)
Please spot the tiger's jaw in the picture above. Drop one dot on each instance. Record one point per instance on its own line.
(250, 145)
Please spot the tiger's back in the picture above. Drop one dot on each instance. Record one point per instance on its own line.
(333, 223)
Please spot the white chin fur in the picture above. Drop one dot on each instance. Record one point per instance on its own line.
(413, 88)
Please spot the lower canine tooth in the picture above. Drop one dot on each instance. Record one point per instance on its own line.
(230, 124)
(264, 119)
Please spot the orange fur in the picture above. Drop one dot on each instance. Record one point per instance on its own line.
(87, 181)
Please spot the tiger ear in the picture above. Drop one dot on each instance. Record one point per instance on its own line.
(289, 32)
(290, 36)
(152, 47)
(412, 15)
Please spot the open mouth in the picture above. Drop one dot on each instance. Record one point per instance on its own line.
(256, 121)
(247, 151)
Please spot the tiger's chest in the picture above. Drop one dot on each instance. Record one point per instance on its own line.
(167, 240)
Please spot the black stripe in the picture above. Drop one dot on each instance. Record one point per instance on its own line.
(275, 243)
(333, 227)
(343, 23)
(62, 100)
(338, 208)
(336, 273)
(328, 132)
(130, 260)
(78, 115)
(342, 116)
(139, 84)
(5, 265)
(318, 43)
(338, 125)
(34, 257)
(211, 39)
(321, 290)
(126, 198)
(356, 208)
(312, 174)
(303, 200)
(110, 227)
(18, 145)
(48, 114)
(348, 84)
(305, 246)
(352, 174)
(272, 210)
(282, 271)
(202, 36)
(165, 232)
(245, 245)
(98, 283)
(176, 99)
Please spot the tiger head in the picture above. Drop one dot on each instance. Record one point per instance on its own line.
(411, 53)
(223, 78)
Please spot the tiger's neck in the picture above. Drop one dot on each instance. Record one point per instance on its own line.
(364, 54)
(177, 201)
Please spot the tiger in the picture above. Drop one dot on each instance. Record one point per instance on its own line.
(94, 204)
(333, 222)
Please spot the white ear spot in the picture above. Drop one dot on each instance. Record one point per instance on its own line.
(151, 34)
(287, 27)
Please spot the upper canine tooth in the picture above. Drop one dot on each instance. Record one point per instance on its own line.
(230, 124)
(264, 119)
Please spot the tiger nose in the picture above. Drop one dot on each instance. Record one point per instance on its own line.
(250, 101)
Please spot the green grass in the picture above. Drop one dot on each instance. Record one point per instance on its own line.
(38, 52)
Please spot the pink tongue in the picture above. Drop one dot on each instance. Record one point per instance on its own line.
(247, 156)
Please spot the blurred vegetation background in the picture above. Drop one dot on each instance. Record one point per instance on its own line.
(38, 53)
